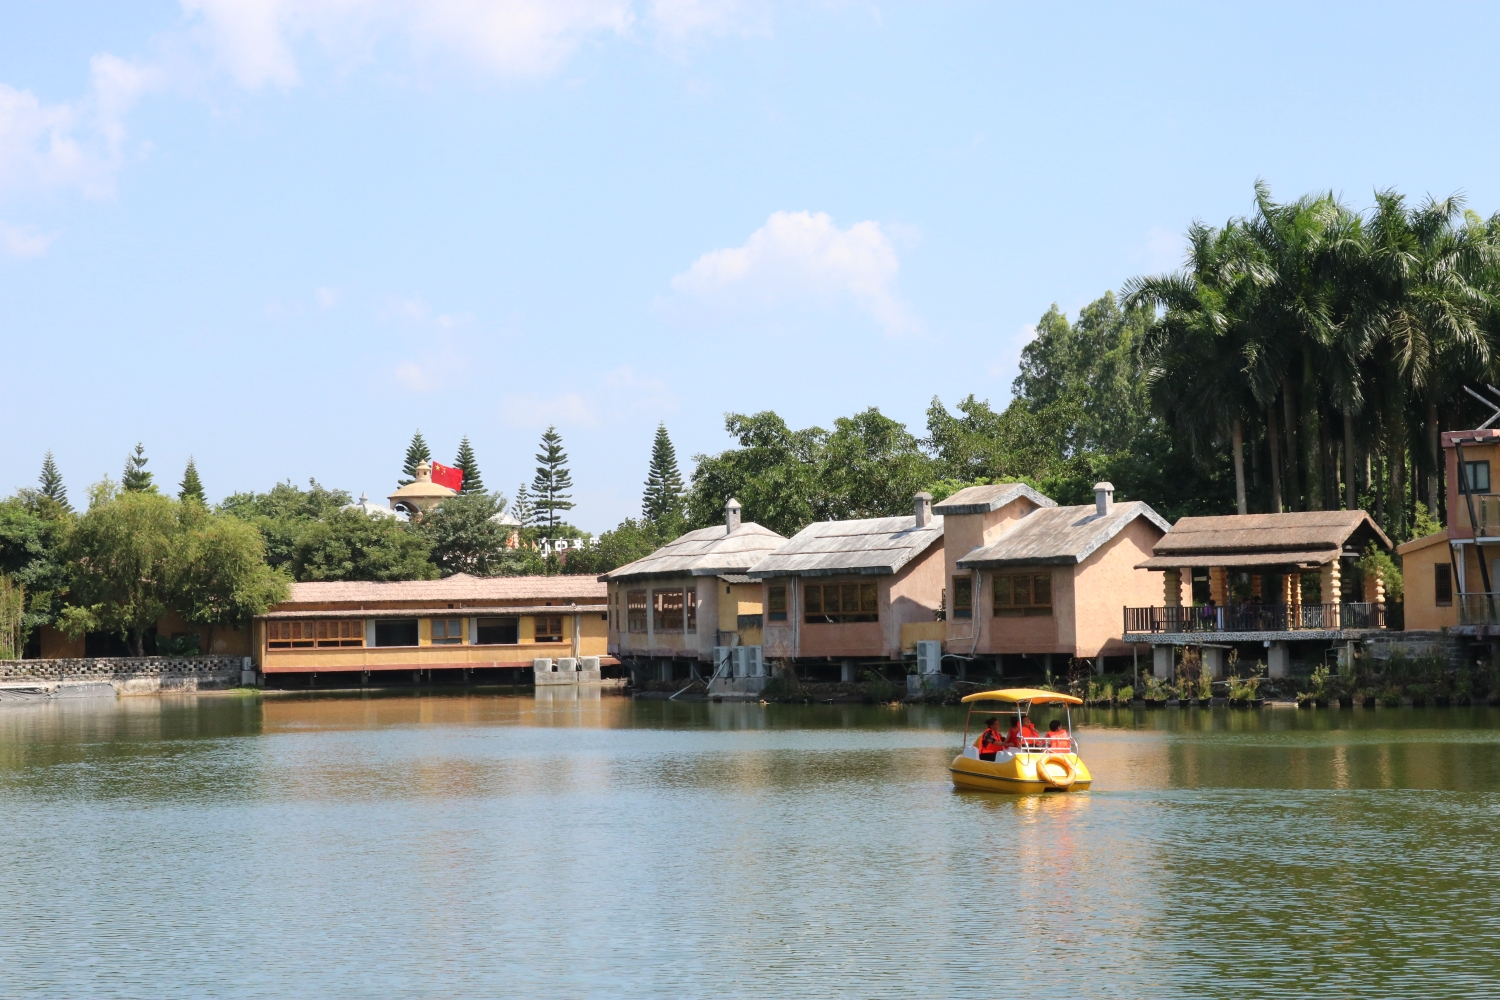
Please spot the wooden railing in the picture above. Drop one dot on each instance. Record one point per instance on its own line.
(1255, 617)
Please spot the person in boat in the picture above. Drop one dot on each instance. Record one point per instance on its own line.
(1058, 738)
(990, 741)
(1022, 733)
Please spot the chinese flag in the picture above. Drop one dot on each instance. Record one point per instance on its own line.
(446, 475)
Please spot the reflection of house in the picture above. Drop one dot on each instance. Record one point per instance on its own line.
(1033, 578)
(1452, 578)
(846, 590)
(1263, 579)
(673, 607)
(462, 623)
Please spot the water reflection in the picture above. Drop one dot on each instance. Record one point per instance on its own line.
(580, 843)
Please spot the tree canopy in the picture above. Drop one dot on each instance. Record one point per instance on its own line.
(135, 478)
(550, 486)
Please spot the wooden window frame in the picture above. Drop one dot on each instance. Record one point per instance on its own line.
(452, 631)
(315, 633)
(963, 598)
(1470, 468)
(776, 595)
(861, 598)
(1442, 582)
(544, 631)
(690, 610)
(667, 608)
(635, 611)
(1004, 589)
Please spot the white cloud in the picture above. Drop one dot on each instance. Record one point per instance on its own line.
(678, 19)
(532, 410)
(78, 144)
(255, 40)
(24, 241)
(799, 257)
(326, 297)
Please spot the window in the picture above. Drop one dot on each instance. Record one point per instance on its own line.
(1477, 474)
(499, 631)
(396, 632)
(667, 610)
(307, 634)
(1023, 595)
(1442, 584)
(549, 629)
(691, 606)
(776, 603)
(963, 598)
(841, 603)
(635, 611)
(447, 631)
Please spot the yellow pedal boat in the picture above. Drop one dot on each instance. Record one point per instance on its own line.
(1045, 763)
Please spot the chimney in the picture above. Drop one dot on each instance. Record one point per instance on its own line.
(1104, 497)
(731, 515)
(924, 509)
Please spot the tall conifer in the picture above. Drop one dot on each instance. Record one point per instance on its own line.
(416, 452)
(191, 485)
(52, 483)
(522, 509)
(552, 481)
(473, 481)
(135, 478)
(662, 502)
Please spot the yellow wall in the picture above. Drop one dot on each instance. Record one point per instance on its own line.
(1418, 559)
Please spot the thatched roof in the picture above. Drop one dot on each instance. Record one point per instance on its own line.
(877, 546)
(983, 499)
(705, 552)
(1059, 536)
(459, 587)
(1305, 538)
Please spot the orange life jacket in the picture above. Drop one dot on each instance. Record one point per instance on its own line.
(989, 741)
(1060, 740)
(1026, 735)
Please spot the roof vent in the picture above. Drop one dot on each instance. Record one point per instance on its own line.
(731, 515)
(1104, 497)
(924, 509)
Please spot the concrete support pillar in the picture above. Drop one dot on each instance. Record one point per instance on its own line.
(846, 672)
(1161, 662)
(1218, 585)
(1279, 662)
(1255, 582)
(1214, 659)
(1099, 663)
(664, 670)
(1172, 588)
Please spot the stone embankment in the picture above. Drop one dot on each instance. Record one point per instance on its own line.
(31, 680)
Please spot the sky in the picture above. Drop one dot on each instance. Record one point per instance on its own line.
(282, 235)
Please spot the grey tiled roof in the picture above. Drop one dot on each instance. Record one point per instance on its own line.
(459, 587)
(878, 545)
(983, 499)
(705, 552)
(1059, 536)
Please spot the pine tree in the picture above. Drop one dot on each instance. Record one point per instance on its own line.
(662, 502)
(473, 481)
(191, 485)
(552, 481)
(522, 510)
(52, 483)
(135, 478)
(416, 452)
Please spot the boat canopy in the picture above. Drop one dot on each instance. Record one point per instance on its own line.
(1033, 695)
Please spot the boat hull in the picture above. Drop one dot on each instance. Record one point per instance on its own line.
(1016, 775)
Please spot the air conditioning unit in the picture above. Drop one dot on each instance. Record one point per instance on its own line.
(755, 662)
(567, 664)
(929, 656)
(588, 663)
(741, 662)
(724, 661)
(542, 665)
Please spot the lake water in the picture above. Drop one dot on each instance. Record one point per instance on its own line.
(571, 847)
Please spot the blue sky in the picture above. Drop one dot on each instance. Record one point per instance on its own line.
(280, 235)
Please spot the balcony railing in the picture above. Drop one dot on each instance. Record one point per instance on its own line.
(1478, 609)
(1255, 618)
(1486, 508)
